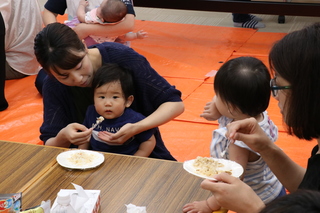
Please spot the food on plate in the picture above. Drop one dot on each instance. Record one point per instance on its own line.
(209, 166)
(82, 158)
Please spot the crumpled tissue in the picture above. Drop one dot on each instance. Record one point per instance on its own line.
(136, 209)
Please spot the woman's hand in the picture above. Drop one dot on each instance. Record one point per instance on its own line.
(125, 133)
(248, 131)
(164, 113)
(75, 133)
(233, 194)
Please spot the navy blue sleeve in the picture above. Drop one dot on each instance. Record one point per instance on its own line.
(56, 6)
(57, 113)
(129, 6)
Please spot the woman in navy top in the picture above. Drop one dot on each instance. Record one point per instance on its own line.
(66, 91)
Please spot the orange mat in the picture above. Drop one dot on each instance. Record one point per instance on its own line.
(186, 55)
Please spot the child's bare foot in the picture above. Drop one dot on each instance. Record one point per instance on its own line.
(197, 206)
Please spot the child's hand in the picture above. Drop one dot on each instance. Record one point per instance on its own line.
(210, 111)
(84, 3)
(142, 34)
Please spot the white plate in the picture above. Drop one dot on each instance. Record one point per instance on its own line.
(90, 159)
(236, 169)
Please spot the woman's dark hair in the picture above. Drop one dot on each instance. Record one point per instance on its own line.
(58, 46)
(244, 83)
(109, 72)
(296, 202)
(296, 58)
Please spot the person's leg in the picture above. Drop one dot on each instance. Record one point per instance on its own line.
(237, 17)
(12, 73)
(3, 101)
(246, 20)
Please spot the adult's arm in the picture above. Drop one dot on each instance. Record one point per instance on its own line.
(48, 17)
(166, 112)
(281, 165)
(84, 30)
(5, 8)
(51, 10)
(155, 98)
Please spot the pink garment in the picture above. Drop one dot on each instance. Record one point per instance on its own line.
(92, 18)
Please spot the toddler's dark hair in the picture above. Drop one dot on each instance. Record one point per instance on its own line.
(110, 72)
(244, 83)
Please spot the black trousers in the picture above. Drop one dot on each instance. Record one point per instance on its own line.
(237, 17)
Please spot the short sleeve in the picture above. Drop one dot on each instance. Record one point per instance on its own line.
(129, 6)
(56, 6)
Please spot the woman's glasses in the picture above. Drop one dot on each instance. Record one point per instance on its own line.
(274, 88)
